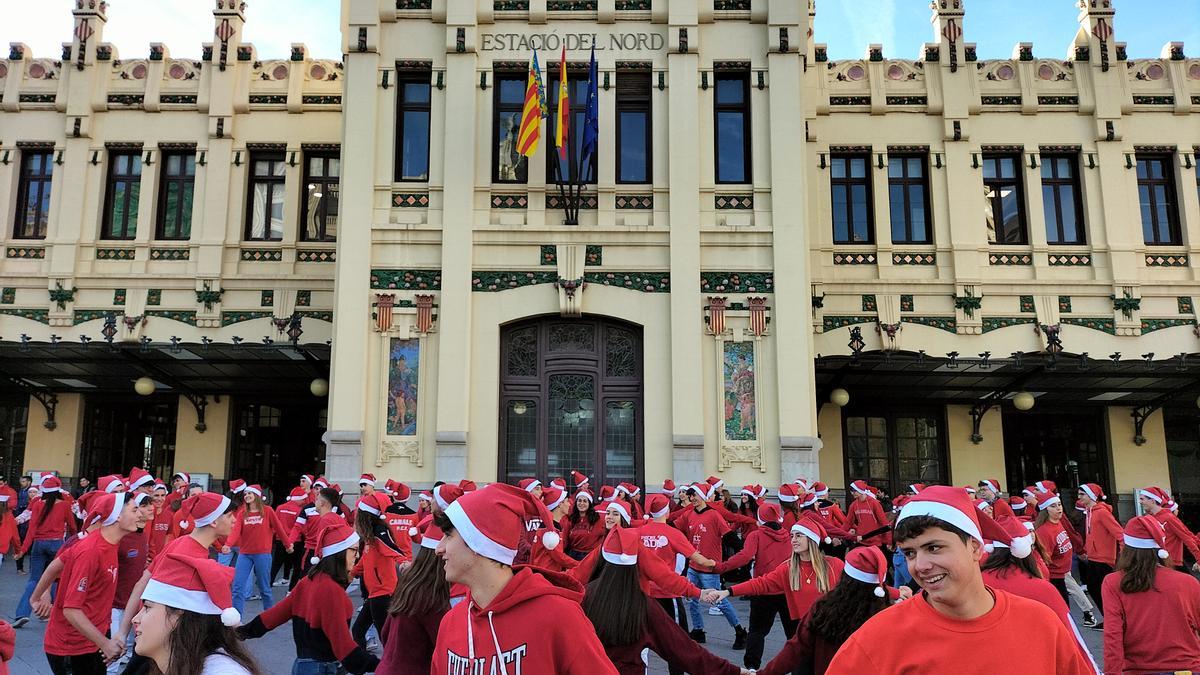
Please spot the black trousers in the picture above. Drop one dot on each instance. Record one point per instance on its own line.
(87, 664)
(305, 554)
(374, 612)
(283, 561)
(1093, 574)
(763, 610)
(674, 607)
(1061, 586)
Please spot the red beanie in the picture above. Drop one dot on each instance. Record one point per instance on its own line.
(1046, 486)
(991, 484)
(298, 494)
(255, 489)
(820, 489)
(714, 482)
(195, 585)
(1017, 503)
(668, 487)
(867, 564)
(467, 485)
(559, 483)
(492, 521)
(607, 493)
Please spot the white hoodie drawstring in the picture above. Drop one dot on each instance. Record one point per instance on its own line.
(470, 635)
(496, 641)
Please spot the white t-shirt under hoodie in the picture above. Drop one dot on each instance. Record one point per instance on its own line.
(221, 664)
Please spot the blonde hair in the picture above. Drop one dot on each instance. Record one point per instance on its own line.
(820, 568)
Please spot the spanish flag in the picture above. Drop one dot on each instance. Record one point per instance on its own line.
(564, 108)
(531, 115)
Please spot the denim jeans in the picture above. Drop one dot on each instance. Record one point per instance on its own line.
(704, 581)
(311, 667)
(257, 565)
(901, 576)
(40, 555)
(227, 559)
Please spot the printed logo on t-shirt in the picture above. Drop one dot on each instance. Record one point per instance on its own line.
(1062, 542)
(654, 540)
(533, 525)
(82, 585)
(486, 665)
(253, 520)
(132, 553)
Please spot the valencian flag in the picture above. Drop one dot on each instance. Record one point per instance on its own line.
(591, 120)
(564, 108)
(531, 115)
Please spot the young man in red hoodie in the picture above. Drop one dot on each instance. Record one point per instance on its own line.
(1103, 540)
(957, 621)
(1154, 501)
(513, 620)
(866, 516)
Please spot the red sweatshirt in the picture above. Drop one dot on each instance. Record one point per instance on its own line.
(1054, 538)
(766, 547)
(286, 513)
(833, 529)
(87, 583)
(582, 538)
(833, 513)
(1015, 581)
(664, 637)
(8, 645)
(1104, 535)
(1017, 636)
(252, 530)
(778, 581)
(408, 643)
(866, 515)
(705, 530)
(1154, 631)
(320, 612)
(377, 567)
(58, 524)
(1001, 507)
(653, 573)
(534, 625)
(803, 652)
(9, 540)
(668, 545)
(550, 558)
(400, 519)
(1178, 536)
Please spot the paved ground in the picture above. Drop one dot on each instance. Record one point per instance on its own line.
(275, 652)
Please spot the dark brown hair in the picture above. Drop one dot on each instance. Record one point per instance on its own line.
(423, 589)
(49, 500)
(615, 604)
(364, 525)
(589, 514)
(915, 526)
(1001, 560)
(198, 636)
(333, 565)
(844, 609)
(1138, 568)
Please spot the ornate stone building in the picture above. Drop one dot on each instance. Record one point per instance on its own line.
(936, 269)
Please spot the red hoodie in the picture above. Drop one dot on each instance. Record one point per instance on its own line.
(534, 625)
(582, 537)
(1015, 581)
(1104, 535)
(1178, 536)
(866, 515)
(768, 549)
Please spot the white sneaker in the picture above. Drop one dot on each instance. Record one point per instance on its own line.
(714, 611)
(281, 582)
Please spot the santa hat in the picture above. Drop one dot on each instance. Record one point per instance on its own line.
(668, 487)
(981, 504)
(425, 496)
(820, 489)
(991, 484)
(446, 494)
(37, 477)
(1157, 494)
(492, 521)
(769, 513)
(187, 477)
(657, 506)
(337, 488)
(1093, 491)
(333, 539)
(862, 488)
(715, 483)
(916, 488)
(899, 502)
(635, 490)
(399, 491)
(586, 494)
(952, 506)
(195, 585)
(139, 498)
(298, 494)
(750, 491)
(50, 483)
(1030, 491)
(621, 547)
(1046, 500)
(578, 479)
(467, 485)
(803, 483)
(139, 477)
(205, 508)
(309, 477)
(788, 493)
(809, 499)
(370, 504)
(607, 493)
(703, 489)
(1045, 486)
(969, 489)
(1146, 532)
(559, 482)
(105, 509)
(427, 533)
(530, 484)
(255, 489)
(90, 515)
(620, 509)
(367, 479)
(813, 529)
(1014, 536)
(237, 485)
(320, 483)
(867, 564)
(624, 487)
(762, 492)
(1079, 506)
(1017, 503)
(159, 485)
(111, 483)
(552, 497)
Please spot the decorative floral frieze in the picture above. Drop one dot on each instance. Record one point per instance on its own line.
(991, 323)
(829, 323)
(413, 4)
(907, 100)
(491, 282)
(115, 253)
(230, 318)
(737, 282)
(268, 99)
(410, 200)
(731, 5)
(317, 314)
(126, 99)
(25, 252)
(738, 202)
(510, 201)
(849, 100)
(317, 255)
(262, 255)
(510, 6)
(1103, 325)
(1151, 325)
(36, 98)
(570, 5)
(85, 315)
(635, 202)
(854, 259)
(177, 99)
(321, 100)
(899, 258)
(593, 255)
(1070, 260)
(39, 315)
(1158, 260)
(869, 304)
(1000, 100)
(946, 323)
(1010, 259)
(632, 5)
(548, 255)
(170, 254)
(406, 280)
(1154, 100)
(182, 316)
(646, 282)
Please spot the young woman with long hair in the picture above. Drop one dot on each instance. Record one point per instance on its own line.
(582, 529)
(51, 522)
(1053, 537)
(255, 527)
(422, 597)
(377, 564)
(1151, 611)
(627, 622)
(185, 624)
(320, 610)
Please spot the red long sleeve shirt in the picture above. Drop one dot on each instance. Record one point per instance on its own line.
(778, 581)
(9, 541)
(1154, 631)
(58, 524)
(1104, 535)
(1054, 538)
(582, 537)
(1178, 536)
(668, 545)
(408, 643)
(765, 547)
(664, 637)
(377, 567)
(833, 513)
(1018, 583)
(866, 515)
(320, 612)
(252, 530)
(286, 513)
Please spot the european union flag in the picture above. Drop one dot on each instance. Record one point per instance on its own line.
(591, 120)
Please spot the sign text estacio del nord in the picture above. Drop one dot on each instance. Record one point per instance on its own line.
(554, 41)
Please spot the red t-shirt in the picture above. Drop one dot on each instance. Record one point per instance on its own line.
(159, 528)
(1018, 583)
(88, 583)
(56, 526)
(1154, 631)
(669, 545)
(1054, 538)
(1017, 636)
(187, 547)
(131, 563)
(705, 529)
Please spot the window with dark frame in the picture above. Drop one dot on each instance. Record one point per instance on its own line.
(123, 187)
(1062, 200)
(908, 198)
(33, 193)
(175, 190)
(264, 207)
(635, 125)
(892, 449)
(850, 183)
(577, 85)
(1006, 199)
(1156, 197)
(319, 210)
(508, 164)
(412, 125)
(731, 126)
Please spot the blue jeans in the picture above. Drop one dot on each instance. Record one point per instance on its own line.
(704, 581)
(227, 559)
(40, 555)
(900, 577)
(311, 667)
(257, 565)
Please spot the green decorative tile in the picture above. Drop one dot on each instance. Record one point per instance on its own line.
(646, 282)
(869, 304)
(317, 256)
(491, 282)
(1151, 325)
(1102, 325)
(593, 256)
(1010, 259)
(509, 201)
(570, 5)
(319, 315)
(1027, 306)
(946, 323)
(266, 299)
(1064, 303)
(1156, 260)
(737, 282)
(268, 99)
(119, 297)
(410, 200)
(188, 317)
(154, 297)
(632, 5)
(738, 202)
(39, 315)
(900, 258)
(115, 253)
(1070, 260)
(8, 295)
(1185, 305)
(991, 323)
(230, 318)
(906, 303)
(261, 255)
(406, 280)
(321, 100)
(25, 252)
(829, 323)
(303, 298)
(170, 254)
(510, 5)
(85, 315)
(548, 255)
(643, 202)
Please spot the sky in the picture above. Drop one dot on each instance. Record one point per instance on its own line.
(847, 26)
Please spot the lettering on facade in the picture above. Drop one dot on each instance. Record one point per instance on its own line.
(553, 42)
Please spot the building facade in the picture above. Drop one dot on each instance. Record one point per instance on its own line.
(935, 269)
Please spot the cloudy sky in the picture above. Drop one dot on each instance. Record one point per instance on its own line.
(848, 26)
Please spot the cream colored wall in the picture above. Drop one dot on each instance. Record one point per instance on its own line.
(197, 452)
(1136, 466)
(832, 459)
(971, 463)
(57, 449)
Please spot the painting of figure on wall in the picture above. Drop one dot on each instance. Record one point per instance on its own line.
(739, 391)
(403, 369)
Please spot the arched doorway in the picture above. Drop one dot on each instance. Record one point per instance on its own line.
(571, 399)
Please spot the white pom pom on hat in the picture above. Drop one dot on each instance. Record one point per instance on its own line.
(314, 560)
(879, 592)
(551, 540)
(230, 617)
(1162, 553)
(412, 531)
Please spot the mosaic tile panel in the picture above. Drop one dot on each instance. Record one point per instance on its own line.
(319, 315)
(737, 282)
(991, 323)
(1058, 100)
(188, 317)
(586, 202)
(869, 304)
(410, 200)
(849, 100)
(742, 202)
(1010, 259)
(406, 280)
(854, 259)
(317, 256)
(230, 318)
(946, 323)
(119, 297)
(632, 5)
(115, 253)
(170, 254)
(261, 255)
(25, 252)
(1027, 306)
(914, 258)
(570, 5)
(1151, 325)
(635, 202)
(1185, 305)
(321, 100)
(8, 295)
(548, 255)
(1064, 303)
(646, 282)
(510, 201)
(85, 315)
(154, 297)
(303, 298)
(1103, 325)
(593, 255)
(268, 99)
(39, 315)
(906, 303)
(266, 299)
(1070, 260)
(829, 323)
(1158, 260)
(491, 282)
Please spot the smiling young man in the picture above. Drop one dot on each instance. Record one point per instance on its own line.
(957, 622)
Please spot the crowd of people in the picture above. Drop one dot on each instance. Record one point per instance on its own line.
(137, 576)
